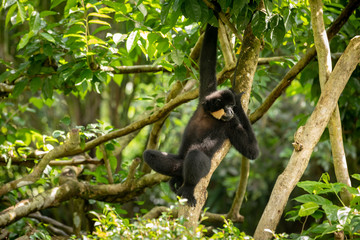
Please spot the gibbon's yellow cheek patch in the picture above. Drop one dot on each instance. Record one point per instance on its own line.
(218, 114)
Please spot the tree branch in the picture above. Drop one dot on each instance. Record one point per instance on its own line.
(334, 126)
(302, 63)
(307, 137)
(71, 188)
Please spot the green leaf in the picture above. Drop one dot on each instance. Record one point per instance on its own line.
(24, 40)
(343, 215)
(99, 29)
(48, 37)
(19, 87)
(9, 14)
(75, 35)
(163, 45)
(118, 37)
(356, 176)
(131, 41)
(35, 84)
(66, 120)
(5, 75)
(55, 3)
(238, 6)
(308, 208)
(22, 12)
(37, 102)
(177, 56)
(110, 147)
(278, 32)
(331, 212)
(86, 75)
(106, 10)
(95, 40)
(97, 21)
(35, 22)
(69, 4)
(312, 187)
(193, 9)
(313, 198)
(165, 11)
(258, 24)
(47, 89)
(100, 15)
(47, 13)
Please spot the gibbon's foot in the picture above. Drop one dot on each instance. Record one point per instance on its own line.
(188, 193)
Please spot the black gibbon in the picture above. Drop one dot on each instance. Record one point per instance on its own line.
(219, 116)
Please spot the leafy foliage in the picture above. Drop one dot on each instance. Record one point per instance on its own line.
(330, 217)
(111, 225)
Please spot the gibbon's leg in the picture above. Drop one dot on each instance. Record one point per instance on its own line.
(175, 183)
(164, 163)
(196, 166)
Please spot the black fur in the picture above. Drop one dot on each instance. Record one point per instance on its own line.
(204, 134)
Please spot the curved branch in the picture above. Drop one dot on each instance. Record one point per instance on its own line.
(71, 188)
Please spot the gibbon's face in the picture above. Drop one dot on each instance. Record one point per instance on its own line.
(225, 114)
(220, 105)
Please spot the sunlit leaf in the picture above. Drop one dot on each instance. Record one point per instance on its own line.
(308, 208)
(97, 21)
(118, 37)
(47, 37)
(131, 41)
(35, 22)
(9, 14)
(313, 198)
(100, 15)
(25, 39)
(21, 12)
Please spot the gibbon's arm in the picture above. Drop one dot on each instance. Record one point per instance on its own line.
(208, 62)
(241, 135)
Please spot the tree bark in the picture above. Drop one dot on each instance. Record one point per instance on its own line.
(248, 59)
(306, 139)
(325, 68)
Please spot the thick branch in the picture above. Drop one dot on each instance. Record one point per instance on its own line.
(307, 137)
(248, 59)
(71, 188)
(299, 66)
(73, 162)
(325, 68)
